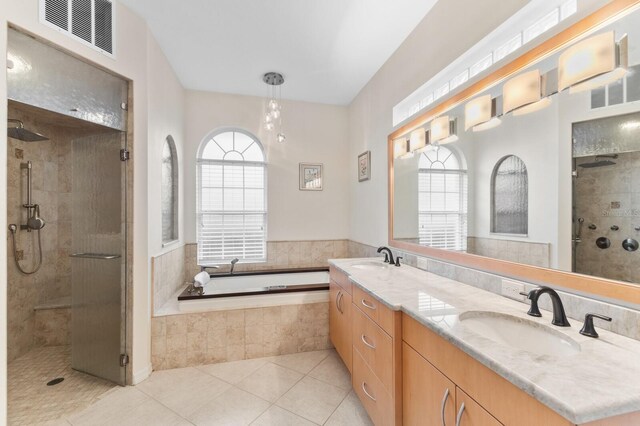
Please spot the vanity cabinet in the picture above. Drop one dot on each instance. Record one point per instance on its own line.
(377, 358)
(340, 308)
(488, 398)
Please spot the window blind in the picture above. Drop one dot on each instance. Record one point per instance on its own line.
(231, 213)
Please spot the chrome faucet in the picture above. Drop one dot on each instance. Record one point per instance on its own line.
(388, 256)
(559, 317)
(233, 265)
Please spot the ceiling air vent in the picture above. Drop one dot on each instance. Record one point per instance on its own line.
(88, 21)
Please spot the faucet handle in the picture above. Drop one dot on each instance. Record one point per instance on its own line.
(523, 293)
(588, 328)
(398, 260)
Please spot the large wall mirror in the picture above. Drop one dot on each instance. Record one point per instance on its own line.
(533, 171)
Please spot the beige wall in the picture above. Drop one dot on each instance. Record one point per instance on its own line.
(315, 134)
(449, 29)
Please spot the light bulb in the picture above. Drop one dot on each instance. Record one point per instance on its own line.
(281, 137)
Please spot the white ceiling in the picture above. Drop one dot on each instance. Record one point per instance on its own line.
(327, 50)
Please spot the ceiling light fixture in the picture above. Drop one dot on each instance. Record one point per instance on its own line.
(273, 109)
(481, 114)
(524, 93)
(593, 62)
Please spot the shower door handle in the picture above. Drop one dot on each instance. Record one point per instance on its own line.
(95, 256)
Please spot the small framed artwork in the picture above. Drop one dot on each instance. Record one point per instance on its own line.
(311, 177)
(364, 166)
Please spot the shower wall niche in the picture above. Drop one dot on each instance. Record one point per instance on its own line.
(39, 305)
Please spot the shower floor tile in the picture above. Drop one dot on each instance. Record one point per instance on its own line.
(32, 402)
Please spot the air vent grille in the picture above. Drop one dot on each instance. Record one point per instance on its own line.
(104, 25)
(90, 21)
(57, 12)
(81, 19)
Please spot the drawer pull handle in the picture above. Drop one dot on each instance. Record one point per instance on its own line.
(338, 305)
(364, 340)
(443, 405)
(459, 417)
(364, 302)
(364, 389)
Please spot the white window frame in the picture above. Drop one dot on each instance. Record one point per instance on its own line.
(199, 213)
(461, 213)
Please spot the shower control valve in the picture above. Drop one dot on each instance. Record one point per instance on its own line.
(615, 227)
(593, 227)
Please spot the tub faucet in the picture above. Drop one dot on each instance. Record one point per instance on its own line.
(388, 256)
(559, 317)
(233, 265)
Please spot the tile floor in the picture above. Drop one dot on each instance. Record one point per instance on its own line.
(310, 388)
(31, 401)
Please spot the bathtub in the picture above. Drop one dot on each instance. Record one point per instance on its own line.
(245, 290)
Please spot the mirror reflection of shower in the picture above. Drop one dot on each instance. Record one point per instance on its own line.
(606, 203)
(34, 221)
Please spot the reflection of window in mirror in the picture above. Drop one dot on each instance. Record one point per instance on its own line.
(510, 197)
(169, 191)
(442, 200)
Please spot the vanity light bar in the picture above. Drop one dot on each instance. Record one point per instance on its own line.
(481, 113)
(444, 130)
(418, 140)
(593, 62)
(401, 149)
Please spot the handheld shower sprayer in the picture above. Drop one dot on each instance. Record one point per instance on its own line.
(34, 223)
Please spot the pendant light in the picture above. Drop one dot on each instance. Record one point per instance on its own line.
(273, 110)
(593, 62)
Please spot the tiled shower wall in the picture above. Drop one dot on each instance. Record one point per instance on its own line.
(172, 269)
(51, 183)
(626, 321)
(606, 197)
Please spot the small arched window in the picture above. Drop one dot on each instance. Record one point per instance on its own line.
(169, 191)
(232, 199)
(510, 197)
(442, 200)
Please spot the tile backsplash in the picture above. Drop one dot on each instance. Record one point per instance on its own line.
(626, 321)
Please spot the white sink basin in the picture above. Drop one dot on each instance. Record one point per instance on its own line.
(370, 264)
(519, 333)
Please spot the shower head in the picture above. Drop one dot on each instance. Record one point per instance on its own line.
(19, 132)
(597, 162)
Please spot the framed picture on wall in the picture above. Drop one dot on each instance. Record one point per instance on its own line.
(364, 166)
(311, 177)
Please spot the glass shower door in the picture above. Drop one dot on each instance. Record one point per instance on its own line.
(98, 264)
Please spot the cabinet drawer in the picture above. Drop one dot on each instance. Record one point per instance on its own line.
(370, 390)
(340, 308)
(469, 413)
(374, 309)
(375, 346)
(340, 278)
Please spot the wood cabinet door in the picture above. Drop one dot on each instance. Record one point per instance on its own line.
(340, 322)
(470, 413)
(428, 397)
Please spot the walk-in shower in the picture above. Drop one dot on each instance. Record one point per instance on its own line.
(67, 217)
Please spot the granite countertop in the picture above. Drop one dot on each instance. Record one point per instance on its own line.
(602, 380)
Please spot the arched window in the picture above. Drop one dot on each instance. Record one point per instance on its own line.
(442, 200)
(169, 191)
(510, 197)
(232, 206)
